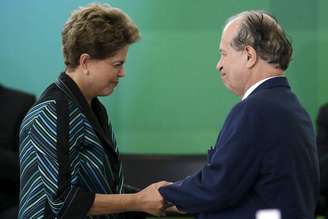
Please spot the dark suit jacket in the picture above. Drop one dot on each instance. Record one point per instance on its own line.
(265, 157)
(14, 106)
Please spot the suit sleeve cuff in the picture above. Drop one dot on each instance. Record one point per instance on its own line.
(79, 205)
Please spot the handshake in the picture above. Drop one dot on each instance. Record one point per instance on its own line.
(152, 202)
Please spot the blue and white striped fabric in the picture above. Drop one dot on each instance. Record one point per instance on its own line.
(89, 164)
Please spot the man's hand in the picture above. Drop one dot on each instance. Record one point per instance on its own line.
(150, 199)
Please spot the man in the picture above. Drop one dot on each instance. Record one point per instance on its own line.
(14, 106)
(265, 156)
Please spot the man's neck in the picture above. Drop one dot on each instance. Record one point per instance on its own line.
(261, 73)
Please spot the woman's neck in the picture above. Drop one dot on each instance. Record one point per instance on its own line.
(76, 76)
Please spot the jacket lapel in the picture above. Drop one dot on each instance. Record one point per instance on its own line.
(68, 86)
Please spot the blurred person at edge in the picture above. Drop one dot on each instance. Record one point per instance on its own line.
(14, 106)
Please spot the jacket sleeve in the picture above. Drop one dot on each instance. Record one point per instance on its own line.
(57, 159)
(231, 170)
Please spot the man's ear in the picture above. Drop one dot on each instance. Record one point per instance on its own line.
(84, 58)
(251, 56)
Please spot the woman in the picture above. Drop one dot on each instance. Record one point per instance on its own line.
(70, 165)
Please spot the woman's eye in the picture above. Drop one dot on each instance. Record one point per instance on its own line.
(118, 65)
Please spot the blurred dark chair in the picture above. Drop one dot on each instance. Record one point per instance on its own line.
(14, 106)
(142, 170)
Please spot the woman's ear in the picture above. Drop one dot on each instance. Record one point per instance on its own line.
(84, 58)
(251, 56)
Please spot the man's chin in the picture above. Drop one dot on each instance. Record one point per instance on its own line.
(227, 86)
(234, 91)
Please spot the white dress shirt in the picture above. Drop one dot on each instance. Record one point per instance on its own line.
(254, 86)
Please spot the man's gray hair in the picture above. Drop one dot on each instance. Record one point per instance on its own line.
(260, 30)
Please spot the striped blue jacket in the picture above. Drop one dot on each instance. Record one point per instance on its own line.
(68, 154)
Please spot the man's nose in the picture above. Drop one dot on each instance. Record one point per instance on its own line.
(219, 66)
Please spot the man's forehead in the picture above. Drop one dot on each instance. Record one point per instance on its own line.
(229, 32)
(232, 24)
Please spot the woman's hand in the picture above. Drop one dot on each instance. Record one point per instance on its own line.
(150, 200)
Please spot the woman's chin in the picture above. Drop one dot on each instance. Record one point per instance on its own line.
(107, 92)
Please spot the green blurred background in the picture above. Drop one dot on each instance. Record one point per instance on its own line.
(172, 100)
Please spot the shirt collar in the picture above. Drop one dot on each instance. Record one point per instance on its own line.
(254, 86)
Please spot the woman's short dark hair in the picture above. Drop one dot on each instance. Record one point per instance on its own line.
(98, 30)
(260, 30)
